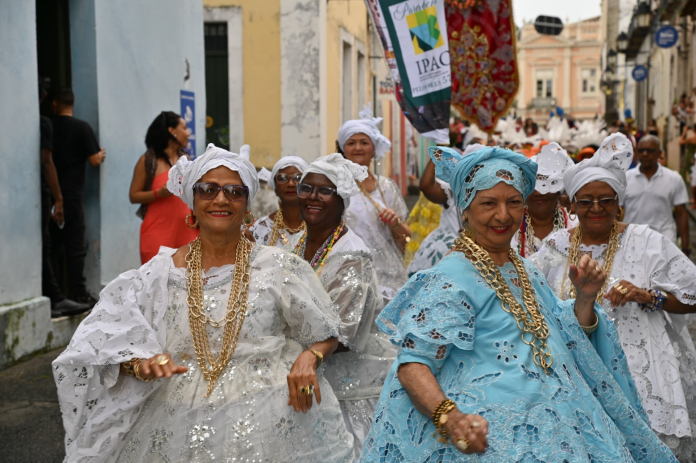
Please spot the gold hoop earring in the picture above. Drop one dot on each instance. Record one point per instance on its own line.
(572, 216)
(188, 221)
(469, 231)
(249, 220)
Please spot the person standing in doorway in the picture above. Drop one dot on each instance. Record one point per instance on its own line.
(166, 220)
(51, 209)
(652, 191)
(74, 143)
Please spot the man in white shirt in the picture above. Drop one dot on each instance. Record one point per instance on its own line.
(653, 190)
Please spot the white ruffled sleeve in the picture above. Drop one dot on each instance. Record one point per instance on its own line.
(97, 404)
(350, 279)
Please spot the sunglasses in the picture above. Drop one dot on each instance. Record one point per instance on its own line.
(209, 191)
(324, 193)
(283, 178)
(604, 203)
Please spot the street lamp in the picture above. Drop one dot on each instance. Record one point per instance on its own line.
(643, 14)
(622, 42)
(609, 72)
(612, 58)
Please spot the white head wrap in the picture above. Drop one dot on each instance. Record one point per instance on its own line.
(342, 173)
(609, 165)
(553, 161)
(367, 125)
(186, 173)
(287, 161)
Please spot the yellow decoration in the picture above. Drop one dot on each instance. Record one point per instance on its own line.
(423, 219)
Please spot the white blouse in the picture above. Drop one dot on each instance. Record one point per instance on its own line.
(658, 347)
(110, 417)
(363, 218)
(263, 228)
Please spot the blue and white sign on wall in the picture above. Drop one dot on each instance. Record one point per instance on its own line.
(666, 37)
(640, 73)
(188, 113)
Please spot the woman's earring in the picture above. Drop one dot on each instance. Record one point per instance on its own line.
(468, 231)
(620, 215)
(572, 216)
(188, 221)
(249, 219)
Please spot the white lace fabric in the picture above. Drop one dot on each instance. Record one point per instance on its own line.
(263, 228)
(363, 218)
(144, 312)
(661, 365)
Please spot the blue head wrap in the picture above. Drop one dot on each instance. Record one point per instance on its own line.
(482, 170)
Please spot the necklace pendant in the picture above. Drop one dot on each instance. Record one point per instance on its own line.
(285, 240)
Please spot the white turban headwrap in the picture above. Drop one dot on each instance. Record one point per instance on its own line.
(287, 161)
(367, 125)
(553, 162)
(609, 165)
(186, 173)
(342, 173)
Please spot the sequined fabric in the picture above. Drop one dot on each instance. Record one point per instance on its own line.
(363, 219)
(449, 319)
(246, 418)
(659, 350)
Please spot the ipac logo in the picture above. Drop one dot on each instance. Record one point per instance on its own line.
(425, 31)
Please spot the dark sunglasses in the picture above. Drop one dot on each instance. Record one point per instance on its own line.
(283, 178)
(324, 193)
(604, 203)
(647, 150)
(210, 191)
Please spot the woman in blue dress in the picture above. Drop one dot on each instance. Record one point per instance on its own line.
(492, 366)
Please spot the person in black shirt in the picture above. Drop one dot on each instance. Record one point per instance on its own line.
(74, 143)
(50, 193)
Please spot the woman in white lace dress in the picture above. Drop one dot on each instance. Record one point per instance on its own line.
(438, 243)
(543, 213)
(283, 227)
(207, 352)
(378, 215)
(649, 292)
(358, 368)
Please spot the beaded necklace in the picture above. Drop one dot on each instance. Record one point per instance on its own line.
(320, 256)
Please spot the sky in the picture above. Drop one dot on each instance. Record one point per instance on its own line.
(570, 9)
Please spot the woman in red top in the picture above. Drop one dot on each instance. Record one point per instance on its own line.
(164, 216)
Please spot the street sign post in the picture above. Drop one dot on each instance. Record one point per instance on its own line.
(639, 73)
(666, 37)
(548, 25)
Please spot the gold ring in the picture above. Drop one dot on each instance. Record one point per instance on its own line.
(162, 359)
(307, 390)
(475, 424)
(598, 268)
(623, 290)
(462, 444)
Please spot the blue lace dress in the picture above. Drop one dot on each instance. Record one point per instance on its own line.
(449, 318)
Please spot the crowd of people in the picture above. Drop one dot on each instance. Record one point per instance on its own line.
(544, 319)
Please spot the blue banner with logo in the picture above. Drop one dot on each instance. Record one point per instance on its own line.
(188, 114)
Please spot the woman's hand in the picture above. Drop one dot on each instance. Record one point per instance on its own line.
(389, 217)
(588, 277)
(163, 192)
(303, 374)
(460, 425)
(152, 368)
(633, 294)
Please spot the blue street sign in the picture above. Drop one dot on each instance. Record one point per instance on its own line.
(666, 37)
(188, 113)
(640, 73)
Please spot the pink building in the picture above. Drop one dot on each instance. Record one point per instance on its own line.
(561, 71)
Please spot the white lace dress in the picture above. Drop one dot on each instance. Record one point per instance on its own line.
(437, 244)
(362, 217)
(357, 376)
(263, 228)
(658, 347)
(246, 418)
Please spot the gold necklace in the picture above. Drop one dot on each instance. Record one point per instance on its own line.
(369, 196)
(529, 318)
(279, 227)
(573, 257)
(234, 318)
(558, 223)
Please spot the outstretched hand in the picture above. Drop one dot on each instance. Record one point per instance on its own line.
(587, 277)
(151, 368)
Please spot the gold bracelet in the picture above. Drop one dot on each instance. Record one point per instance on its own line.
(591, 329)
(128, 366)
(319, 356)
(136, 371)
(440, 418)
(398, 224)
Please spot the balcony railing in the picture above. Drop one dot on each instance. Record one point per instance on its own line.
(543, 102)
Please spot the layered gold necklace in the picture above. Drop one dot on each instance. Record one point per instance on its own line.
(574, 256)
(529, 244)
(529, 318)
(234, 317)
(279, 228)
